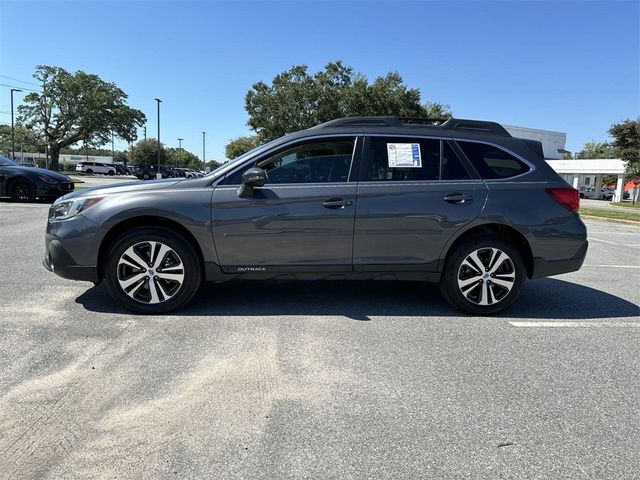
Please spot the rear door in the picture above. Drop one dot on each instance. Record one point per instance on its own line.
(414, 193)
(301, 220)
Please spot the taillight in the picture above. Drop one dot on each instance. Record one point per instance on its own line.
(569, 197)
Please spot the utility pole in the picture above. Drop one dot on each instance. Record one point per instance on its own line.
(13, 133)
(180, 149)
(204, 165)
(158, 174)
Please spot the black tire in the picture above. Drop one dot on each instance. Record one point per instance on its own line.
(146, 176)
(111, 173)
(498, 297)
(22, 190)
(185, 253)
(88, 171)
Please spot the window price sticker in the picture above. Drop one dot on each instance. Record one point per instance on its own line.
(404, 155)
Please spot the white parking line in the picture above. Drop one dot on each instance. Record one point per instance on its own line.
(574, 324)
(612, 266)
(592, 239)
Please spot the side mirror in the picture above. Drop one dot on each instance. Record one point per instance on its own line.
(253, 177)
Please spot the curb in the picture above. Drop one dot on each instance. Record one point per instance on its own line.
(612, 220)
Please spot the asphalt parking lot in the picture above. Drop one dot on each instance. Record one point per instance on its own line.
(319, 380)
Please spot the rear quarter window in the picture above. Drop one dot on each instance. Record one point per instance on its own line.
(492, 162)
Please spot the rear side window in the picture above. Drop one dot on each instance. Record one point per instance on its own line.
(452, 168)
(401, 158)
(492, 162)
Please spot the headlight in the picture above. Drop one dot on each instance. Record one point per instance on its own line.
(62, 210)
(48, 180)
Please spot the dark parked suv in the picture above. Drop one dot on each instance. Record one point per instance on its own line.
(458, 202)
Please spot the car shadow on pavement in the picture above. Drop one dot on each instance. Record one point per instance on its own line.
(41, 201)
(359, 300)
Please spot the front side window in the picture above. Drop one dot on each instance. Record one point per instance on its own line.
(317, 161)
(492, 162)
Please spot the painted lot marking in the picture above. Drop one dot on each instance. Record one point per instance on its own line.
(592, 239)
(574, 324)
(611, 266)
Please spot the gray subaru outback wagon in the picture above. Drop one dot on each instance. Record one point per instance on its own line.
(459, 202)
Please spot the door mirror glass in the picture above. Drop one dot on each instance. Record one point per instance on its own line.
(253, 177)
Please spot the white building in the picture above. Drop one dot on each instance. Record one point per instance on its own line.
(552, 142)
(584, 174)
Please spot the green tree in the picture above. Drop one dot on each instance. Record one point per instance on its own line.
(179, 157)
(77, 106)
(212, 165)
(240, 146)
(296, 100)
(597, 150)
(146, 151)
(25, 140)
(627, 140)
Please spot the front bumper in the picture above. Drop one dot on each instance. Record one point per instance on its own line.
(72, 247)
(58, 261)
(46, 190)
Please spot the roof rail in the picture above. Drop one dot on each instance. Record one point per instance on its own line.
(421, 121)
(445, 124)
(476, 126)
(362, 122)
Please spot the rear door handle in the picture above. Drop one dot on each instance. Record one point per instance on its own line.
(335, 203)
(457, 198)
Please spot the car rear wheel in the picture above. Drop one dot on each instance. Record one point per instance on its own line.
(146, 176)
(484, 275)
(88, 171)
(111, 173)
(22, 190)
(151, 270)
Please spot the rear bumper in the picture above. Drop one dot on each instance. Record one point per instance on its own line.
(546, 268)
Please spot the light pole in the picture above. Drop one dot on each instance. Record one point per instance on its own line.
(179, 148)
(158, 174)
(204, 165)
(13, 133)
(145, 132)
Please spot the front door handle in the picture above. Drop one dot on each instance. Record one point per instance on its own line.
(335, 203)
(457, 198)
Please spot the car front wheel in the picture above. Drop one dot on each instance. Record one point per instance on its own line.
(152, 270)
(484, 275)
(22, 190)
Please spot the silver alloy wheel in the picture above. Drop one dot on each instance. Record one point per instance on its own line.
(486, 276)
(150, 272)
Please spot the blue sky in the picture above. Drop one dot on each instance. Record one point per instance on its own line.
(569, 66)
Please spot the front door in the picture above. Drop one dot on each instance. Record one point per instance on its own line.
(301, 220)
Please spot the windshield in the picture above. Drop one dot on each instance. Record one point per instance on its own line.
(243, 157)
(5, 162)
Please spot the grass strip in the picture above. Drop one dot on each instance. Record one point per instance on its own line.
(625, 204)
(611, 214)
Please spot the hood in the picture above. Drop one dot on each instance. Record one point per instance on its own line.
(130, 186)
(45, 173)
